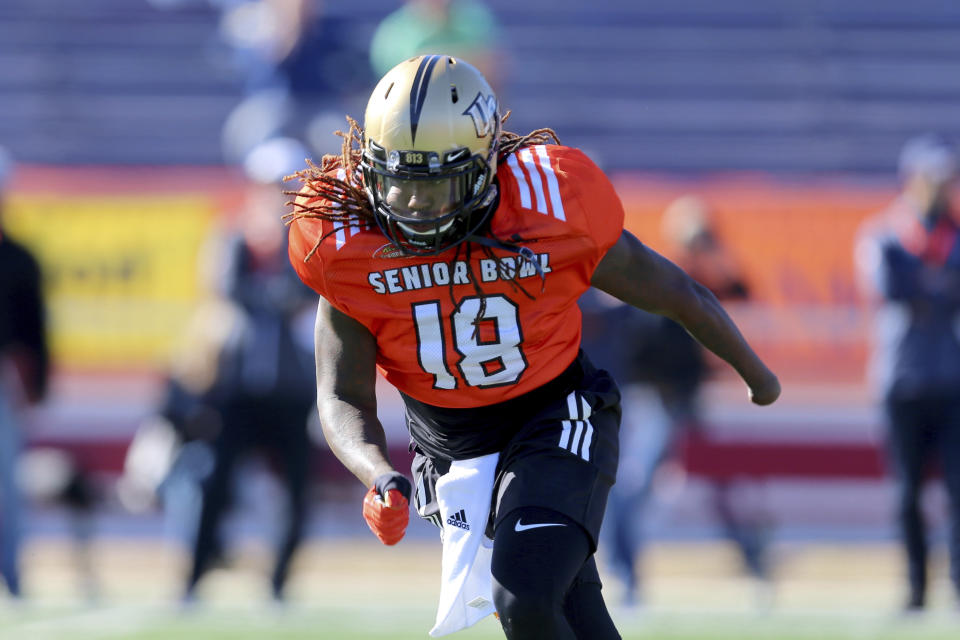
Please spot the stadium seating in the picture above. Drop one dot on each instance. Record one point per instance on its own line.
(111, 82)
(689, 86)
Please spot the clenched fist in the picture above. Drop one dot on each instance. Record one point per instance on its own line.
(386, 507)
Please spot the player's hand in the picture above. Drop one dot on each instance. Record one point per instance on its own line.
(766, 390)
(386, 507)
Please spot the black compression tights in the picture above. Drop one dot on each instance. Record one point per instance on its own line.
(545, 582)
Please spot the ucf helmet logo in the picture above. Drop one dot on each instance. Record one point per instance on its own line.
(483, 110)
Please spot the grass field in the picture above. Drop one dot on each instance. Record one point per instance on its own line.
(368, 622)
(359, 591)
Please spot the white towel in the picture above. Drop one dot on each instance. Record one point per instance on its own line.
(466, 589)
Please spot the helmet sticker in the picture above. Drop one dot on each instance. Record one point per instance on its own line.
(483, 110)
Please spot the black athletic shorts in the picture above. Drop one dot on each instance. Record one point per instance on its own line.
(557, 451)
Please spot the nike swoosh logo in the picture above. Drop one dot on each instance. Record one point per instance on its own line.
(523, 527)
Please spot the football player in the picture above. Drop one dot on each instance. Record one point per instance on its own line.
(450, 255)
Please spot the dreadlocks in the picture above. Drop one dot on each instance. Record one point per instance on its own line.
(334, 191)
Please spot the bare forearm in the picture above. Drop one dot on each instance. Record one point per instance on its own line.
(346, 394)
(646, 280)
(709, 323)
(357, 438)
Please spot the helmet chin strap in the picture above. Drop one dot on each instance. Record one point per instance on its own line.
(401, 235)
(487, 205)
(413, 232)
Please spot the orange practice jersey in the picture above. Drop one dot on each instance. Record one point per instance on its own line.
(559, 204)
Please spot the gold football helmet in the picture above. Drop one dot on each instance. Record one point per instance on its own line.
(431, 133)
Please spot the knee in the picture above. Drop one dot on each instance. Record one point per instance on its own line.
(527, 614)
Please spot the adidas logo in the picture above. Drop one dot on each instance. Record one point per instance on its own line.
(459, 519)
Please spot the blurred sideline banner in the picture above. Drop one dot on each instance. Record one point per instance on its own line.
(119, 247)
(794, 242)
(120, 272)
(119, 251)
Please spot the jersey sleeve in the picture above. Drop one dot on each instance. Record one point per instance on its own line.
(303, 236)
(569, 192)
(590, 204)
(596, 210)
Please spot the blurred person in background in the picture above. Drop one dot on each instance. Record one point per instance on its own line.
(264, 385)
(424, 258)
(908, 257)
(465, 29)
(693, 243)
(24, 365)
(301, 68)
(171, 453)
(655, 354)
(52, 477)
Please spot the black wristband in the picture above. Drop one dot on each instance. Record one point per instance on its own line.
(393, 480)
